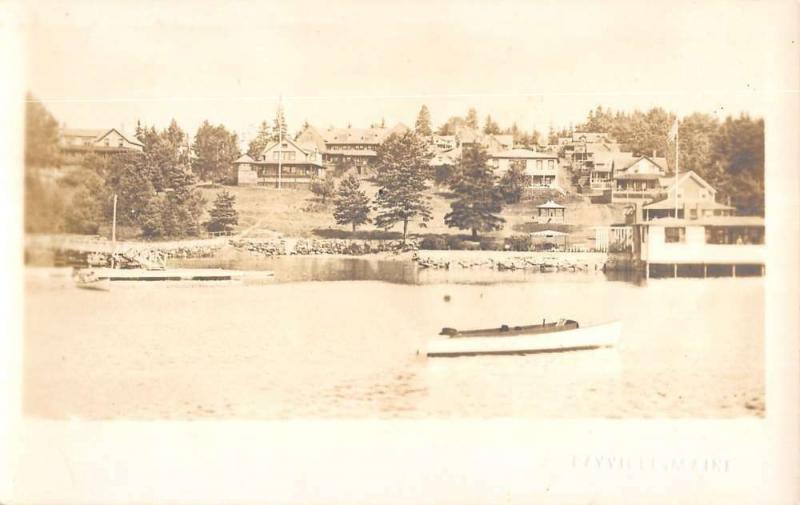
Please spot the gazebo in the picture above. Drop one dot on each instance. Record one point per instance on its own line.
(551, 212)
(545, 234)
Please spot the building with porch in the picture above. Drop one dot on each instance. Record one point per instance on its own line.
(346, 148)
(288, 164)
(689, 197)
(540, 168)
(640, 180)
(75, 143)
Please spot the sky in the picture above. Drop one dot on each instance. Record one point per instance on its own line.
(537, 63)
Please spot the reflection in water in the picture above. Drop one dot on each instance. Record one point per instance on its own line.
(334, 268)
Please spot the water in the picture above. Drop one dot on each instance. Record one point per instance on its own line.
(345, 346)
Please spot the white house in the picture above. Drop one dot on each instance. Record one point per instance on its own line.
(690, 196)
(541, 169)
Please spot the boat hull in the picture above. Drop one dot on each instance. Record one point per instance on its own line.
(167, 275)
(591, 337)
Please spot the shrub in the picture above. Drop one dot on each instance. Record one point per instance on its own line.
(433, 244)
(454, 243)
(519, 242)
(491, 244)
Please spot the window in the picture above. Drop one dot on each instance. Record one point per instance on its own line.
(107, 142)
(539, 164)
(674, 235)
(276, 155)
(551, 164)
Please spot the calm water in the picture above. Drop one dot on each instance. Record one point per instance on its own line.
(345, 346)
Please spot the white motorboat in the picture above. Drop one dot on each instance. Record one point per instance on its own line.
(561, 336)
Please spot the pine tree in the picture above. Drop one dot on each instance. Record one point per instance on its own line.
(260, 142)
(279, 128)
(478, 198)
(223, 215)
(323, 187)
(423, 125)
(472, 118)
(490, 127)
(352, 204)
(402, 173)
(512, 184)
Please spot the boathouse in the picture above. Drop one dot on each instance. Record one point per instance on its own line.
(709, 246)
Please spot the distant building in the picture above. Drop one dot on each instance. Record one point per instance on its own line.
(640, 180)
(349, 147)
(550, 212)
(288, 164)
(444, 142)
(590, 137)
(74, 143)
(541, 169)
(691, 196)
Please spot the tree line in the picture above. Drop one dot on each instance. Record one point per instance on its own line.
(728, 154)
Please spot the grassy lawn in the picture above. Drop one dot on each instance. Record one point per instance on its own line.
(265, 212)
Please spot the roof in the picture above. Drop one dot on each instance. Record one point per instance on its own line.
(244, 159)
(360, 135)
(309, 136)
(691, 174)
(127, 138)
(590, 136)
(504, 139)
(523, 154)
(601, 147)
(97, 135)
(550, 204)
(709, 221)
(660, 162)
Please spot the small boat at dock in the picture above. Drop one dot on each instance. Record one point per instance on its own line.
(562, 336)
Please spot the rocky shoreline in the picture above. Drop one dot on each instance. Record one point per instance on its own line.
(78, 250)
(507, 260)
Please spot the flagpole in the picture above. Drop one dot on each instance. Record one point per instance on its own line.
(677, 166)
(280, 141)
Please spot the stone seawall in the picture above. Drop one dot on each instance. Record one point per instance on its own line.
(508, 260)
(312, 247)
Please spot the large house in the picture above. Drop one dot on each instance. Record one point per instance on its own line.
(690, 197)
(540, 169)
(76, 143)
(349, 147)
(288, 164)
